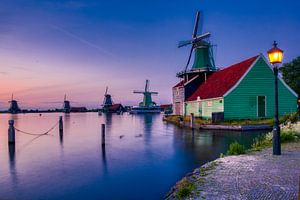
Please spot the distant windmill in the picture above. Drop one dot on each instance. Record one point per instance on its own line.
(66, 105)
(203, 51)
(14, 108)
(107, 101)
(147, 101)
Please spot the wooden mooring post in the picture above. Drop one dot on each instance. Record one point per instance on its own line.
(192, 121)
(61, 126)
(103, 134)
(11, 132)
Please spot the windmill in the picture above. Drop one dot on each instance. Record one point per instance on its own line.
(14, 108)
(147, 101)
(66, 105)
(107, 101)
(203, 59)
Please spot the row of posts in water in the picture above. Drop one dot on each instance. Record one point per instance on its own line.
(12, 132)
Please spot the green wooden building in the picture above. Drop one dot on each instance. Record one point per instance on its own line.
(242, 91)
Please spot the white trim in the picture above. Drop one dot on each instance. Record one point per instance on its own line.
(244, 75)
(184, 84)
(282, 81)
(201, 100)
(265, 106)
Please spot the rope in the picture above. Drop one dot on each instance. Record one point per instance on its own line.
(36, 133)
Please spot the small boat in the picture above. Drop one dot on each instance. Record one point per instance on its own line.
(145, 109)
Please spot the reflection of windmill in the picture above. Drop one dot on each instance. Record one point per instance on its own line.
(14, 108)
(66, 105)
(203, 59)
(107, 101)
(147, 101)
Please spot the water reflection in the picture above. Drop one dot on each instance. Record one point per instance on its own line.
(80, 168)
(12, 162)
(148, 123)
(108, 119)
(104, 161)
(67, 122)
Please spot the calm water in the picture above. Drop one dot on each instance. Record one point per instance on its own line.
(143, 164)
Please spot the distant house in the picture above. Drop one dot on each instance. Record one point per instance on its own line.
(115, 108)
(78, 109)
(241, 91)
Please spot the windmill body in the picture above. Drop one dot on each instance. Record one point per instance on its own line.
(196, 74)
(203, 54)
(66, 105)
(108, 105)
(147, 105)
(14, 107)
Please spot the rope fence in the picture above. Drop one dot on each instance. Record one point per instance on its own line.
(38, 134)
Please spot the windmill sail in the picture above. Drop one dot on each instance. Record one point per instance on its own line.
(202, 49)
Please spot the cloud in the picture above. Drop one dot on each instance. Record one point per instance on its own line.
(83, 41)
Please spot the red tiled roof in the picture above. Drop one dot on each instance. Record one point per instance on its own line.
(220, 82)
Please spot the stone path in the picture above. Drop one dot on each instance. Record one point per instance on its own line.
(258, 175)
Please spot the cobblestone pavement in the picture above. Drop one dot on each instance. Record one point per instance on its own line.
(258, 175)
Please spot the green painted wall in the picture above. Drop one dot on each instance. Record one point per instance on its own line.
(204, 108)
(241, 103)
(193, 107)
(210, 106)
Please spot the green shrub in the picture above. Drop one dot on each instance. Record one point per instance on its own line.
(236, 149)
(262, 142)
(288, 136)
(185, 188)
(292, 118)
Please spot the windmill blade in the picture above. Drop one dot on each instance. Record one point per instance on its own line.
(138, 92)
(106, 90)
(155, 93)
(196, 24)
(184, 43)
(147, 86)
(65, 97)
(201, 37)
(190, 56)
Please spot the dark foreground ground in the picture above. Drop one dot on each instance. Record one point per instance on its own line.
(258, 175)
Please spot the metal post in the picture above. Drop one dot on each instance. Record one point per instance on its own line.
(276, 129)
(61, 126)
(192, 121)
(103, 134)
(11, 132)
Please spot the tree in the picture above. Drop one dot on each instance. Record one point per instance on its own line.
(291, 74)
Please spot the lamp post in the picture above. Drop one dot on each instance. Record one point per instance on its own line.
(275, 57)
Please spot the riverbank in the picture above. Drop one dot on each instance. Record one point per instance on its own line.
(241, 125)
(256, 175)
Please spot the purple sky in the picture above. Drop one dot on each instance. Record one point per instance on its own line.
(49, 48)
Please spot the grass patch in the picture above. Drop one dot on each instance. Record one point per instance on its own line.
(177, 119)
(236, 149)
(185, 189)
(286, 135)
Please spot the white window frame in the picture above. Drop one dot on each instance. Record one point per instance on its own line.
(265, 105)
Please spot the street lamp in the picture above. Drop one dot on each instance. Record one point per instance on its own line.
(275, 57)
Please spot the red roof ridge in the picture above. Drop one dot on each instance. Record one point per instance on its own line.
(222, 81)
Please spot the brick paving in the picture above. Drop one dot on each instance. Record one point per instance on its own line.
(258, 175)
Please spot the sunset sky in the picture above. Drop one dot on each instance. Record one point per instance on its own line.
(49, 48)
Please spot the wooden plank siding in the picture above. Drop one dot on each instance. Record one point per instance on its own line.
(178, 100)
(205, 108)
(241, 102)
(212, 105)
